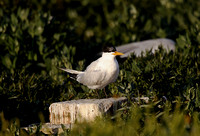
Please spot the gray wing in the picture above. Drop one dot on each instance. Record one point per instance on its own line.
(93, 75)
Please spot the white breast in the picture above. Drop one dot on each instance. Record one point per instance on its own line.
(110, 68)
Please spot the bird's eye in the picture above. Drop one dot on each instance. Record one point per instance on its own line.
(109, 49)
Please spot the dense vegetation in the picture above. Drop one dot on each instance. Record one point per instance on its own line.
(37, 36)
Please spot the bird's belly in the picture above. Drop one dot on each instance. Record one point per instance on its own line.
(112, 76)
(109, 78)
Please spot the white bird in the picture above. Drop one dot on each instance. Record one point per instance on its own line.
(99, 73)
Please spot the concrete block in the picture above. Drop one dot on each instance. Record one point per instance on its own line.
(82, 110)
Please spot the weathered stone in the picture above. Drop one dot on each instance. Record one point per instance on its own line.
(82, 110)
(142, 46)
(47, 128)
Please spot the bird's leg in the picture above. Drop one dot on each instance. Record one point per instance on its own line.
(105, 92)
(97, 93)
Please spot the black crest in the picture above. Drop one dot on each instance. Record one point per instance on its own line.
(109, 49)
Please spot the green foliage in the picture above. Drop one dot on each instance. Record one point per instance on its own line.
(141, 121)
(135, 120)
(36, 37)
(166, 74)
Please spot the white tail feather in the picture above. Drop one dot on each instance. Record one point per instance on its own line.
(71, 71)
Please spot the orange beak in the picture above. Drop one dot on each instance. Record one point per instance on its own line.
(116, 53)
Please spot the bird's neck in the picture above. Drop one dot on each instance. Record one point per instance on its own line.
(108, 56)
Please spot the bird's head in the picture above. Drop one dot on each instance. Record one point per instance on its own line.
(111, 50)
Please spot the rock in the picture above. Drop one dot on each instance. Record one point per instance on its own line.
(47, 128)
(82, 110)
(143, 46)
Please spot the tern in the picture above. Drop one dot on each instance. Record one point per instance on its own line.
(99, 73)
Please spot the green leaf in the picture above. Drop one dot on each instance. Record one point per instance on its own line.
(23, 14)
(41, 48)
(14, 19)
(39, 30)
(7, 62)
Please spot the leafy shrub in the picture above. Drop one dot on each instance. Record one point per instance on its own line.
(38, 36)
